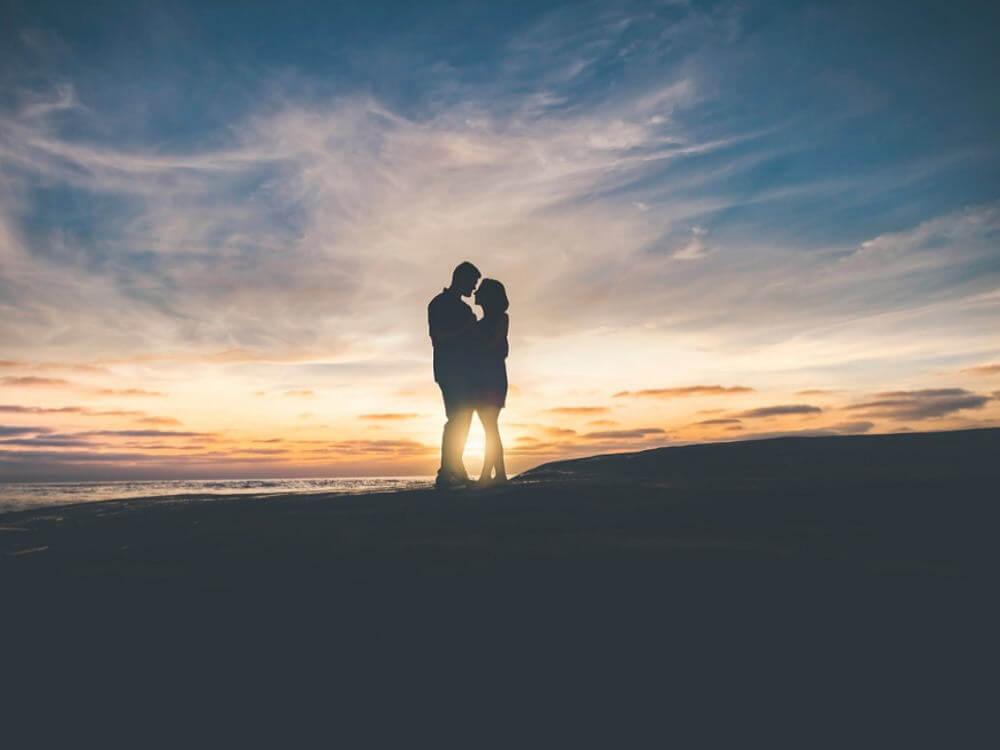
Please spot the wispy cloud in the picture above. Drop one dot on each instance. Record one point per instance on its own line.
(779, 411)
(17, 409)
(149, 433)
(852, 427)
(42, 366)
(690, 390)
(927, 403)
(992, 369)
(578, 410)
(31, 381)
(159, 420)
(128, 392)
(624, 434)
(85, 411)
(22, 430)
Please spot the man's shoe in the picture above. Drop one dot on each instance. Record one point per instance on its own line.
(450, 482)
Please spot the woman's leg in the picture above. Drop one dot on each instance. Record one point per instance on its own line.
(501, 470)
(493, 454)
(488, 416)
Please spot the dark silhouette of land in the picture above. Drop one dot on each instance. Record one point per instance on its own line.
(835, 574)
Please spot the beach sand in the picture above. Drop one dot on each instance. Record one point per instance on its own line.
(860, 567)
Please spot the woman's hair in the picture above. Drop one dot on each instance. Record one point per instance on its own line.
(493, 297)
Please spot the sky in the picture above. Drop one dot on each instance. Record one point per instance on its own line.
(221, 223)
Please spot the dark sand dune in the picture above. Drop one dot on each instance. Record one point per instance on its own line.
(808, 577)
(961, 456)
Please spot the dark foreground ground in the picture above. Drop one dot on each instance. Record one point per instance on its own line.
(829, 590)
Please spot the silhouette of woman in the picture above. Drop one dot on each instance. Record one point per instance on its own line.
(490, 381)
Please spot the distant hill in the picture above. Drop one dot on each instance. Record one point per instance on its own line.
(963, 455)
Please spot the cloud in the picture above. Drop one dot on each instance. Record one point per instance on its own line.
(37, 457)
(305, 393)
(624, 434)
(814, 392)
(603, 423)
(87, 412)
(844, 428)
(159, 420)
(696, 247)
(376, 447)
(388, 417)
(928, 403)
(15, 409)
(578, 410)
(311, 167)
(128, 392)
(148, 433)
(557, 431)
(807, 432)
(992, 369)
(852, 427)
(280, 354)
(718, 421)
(919, 249)
(282, 230)
(32, 381)
(48, 442)
(19, 430)
(691, 390)
(72, 366)
(775, 411)
(543, 429)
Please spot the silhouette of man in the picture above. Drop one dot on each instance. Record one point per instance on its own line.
(452, 327)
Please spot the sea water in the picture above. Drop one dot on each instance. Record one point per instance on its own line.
(20, 496)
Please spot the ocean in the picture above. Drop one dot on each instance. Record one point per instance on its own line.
(21, 496)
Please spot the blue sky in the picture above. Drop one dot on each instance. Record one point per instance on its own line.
(783, 196)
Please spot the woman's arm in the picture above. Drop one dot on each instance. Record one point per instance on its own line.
(497, 340)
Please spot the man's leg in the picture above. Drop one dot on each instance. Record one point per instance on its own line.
(455, 433)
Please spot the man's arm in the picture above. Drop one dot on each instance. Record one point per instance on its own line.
(444, 327)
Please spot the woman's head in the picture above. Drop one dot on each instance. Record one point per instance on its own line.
(492, 297)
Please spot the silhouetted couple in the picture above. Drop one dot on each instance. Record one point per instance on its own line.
(469, 366)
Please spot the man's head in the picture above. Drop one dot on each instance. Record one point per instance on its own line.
(464, 278)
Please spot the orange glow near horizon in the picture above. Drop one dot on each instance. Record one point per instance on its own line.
(152, 417)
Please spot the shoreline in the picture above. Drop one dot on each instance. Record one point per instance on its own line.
(12, 502)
